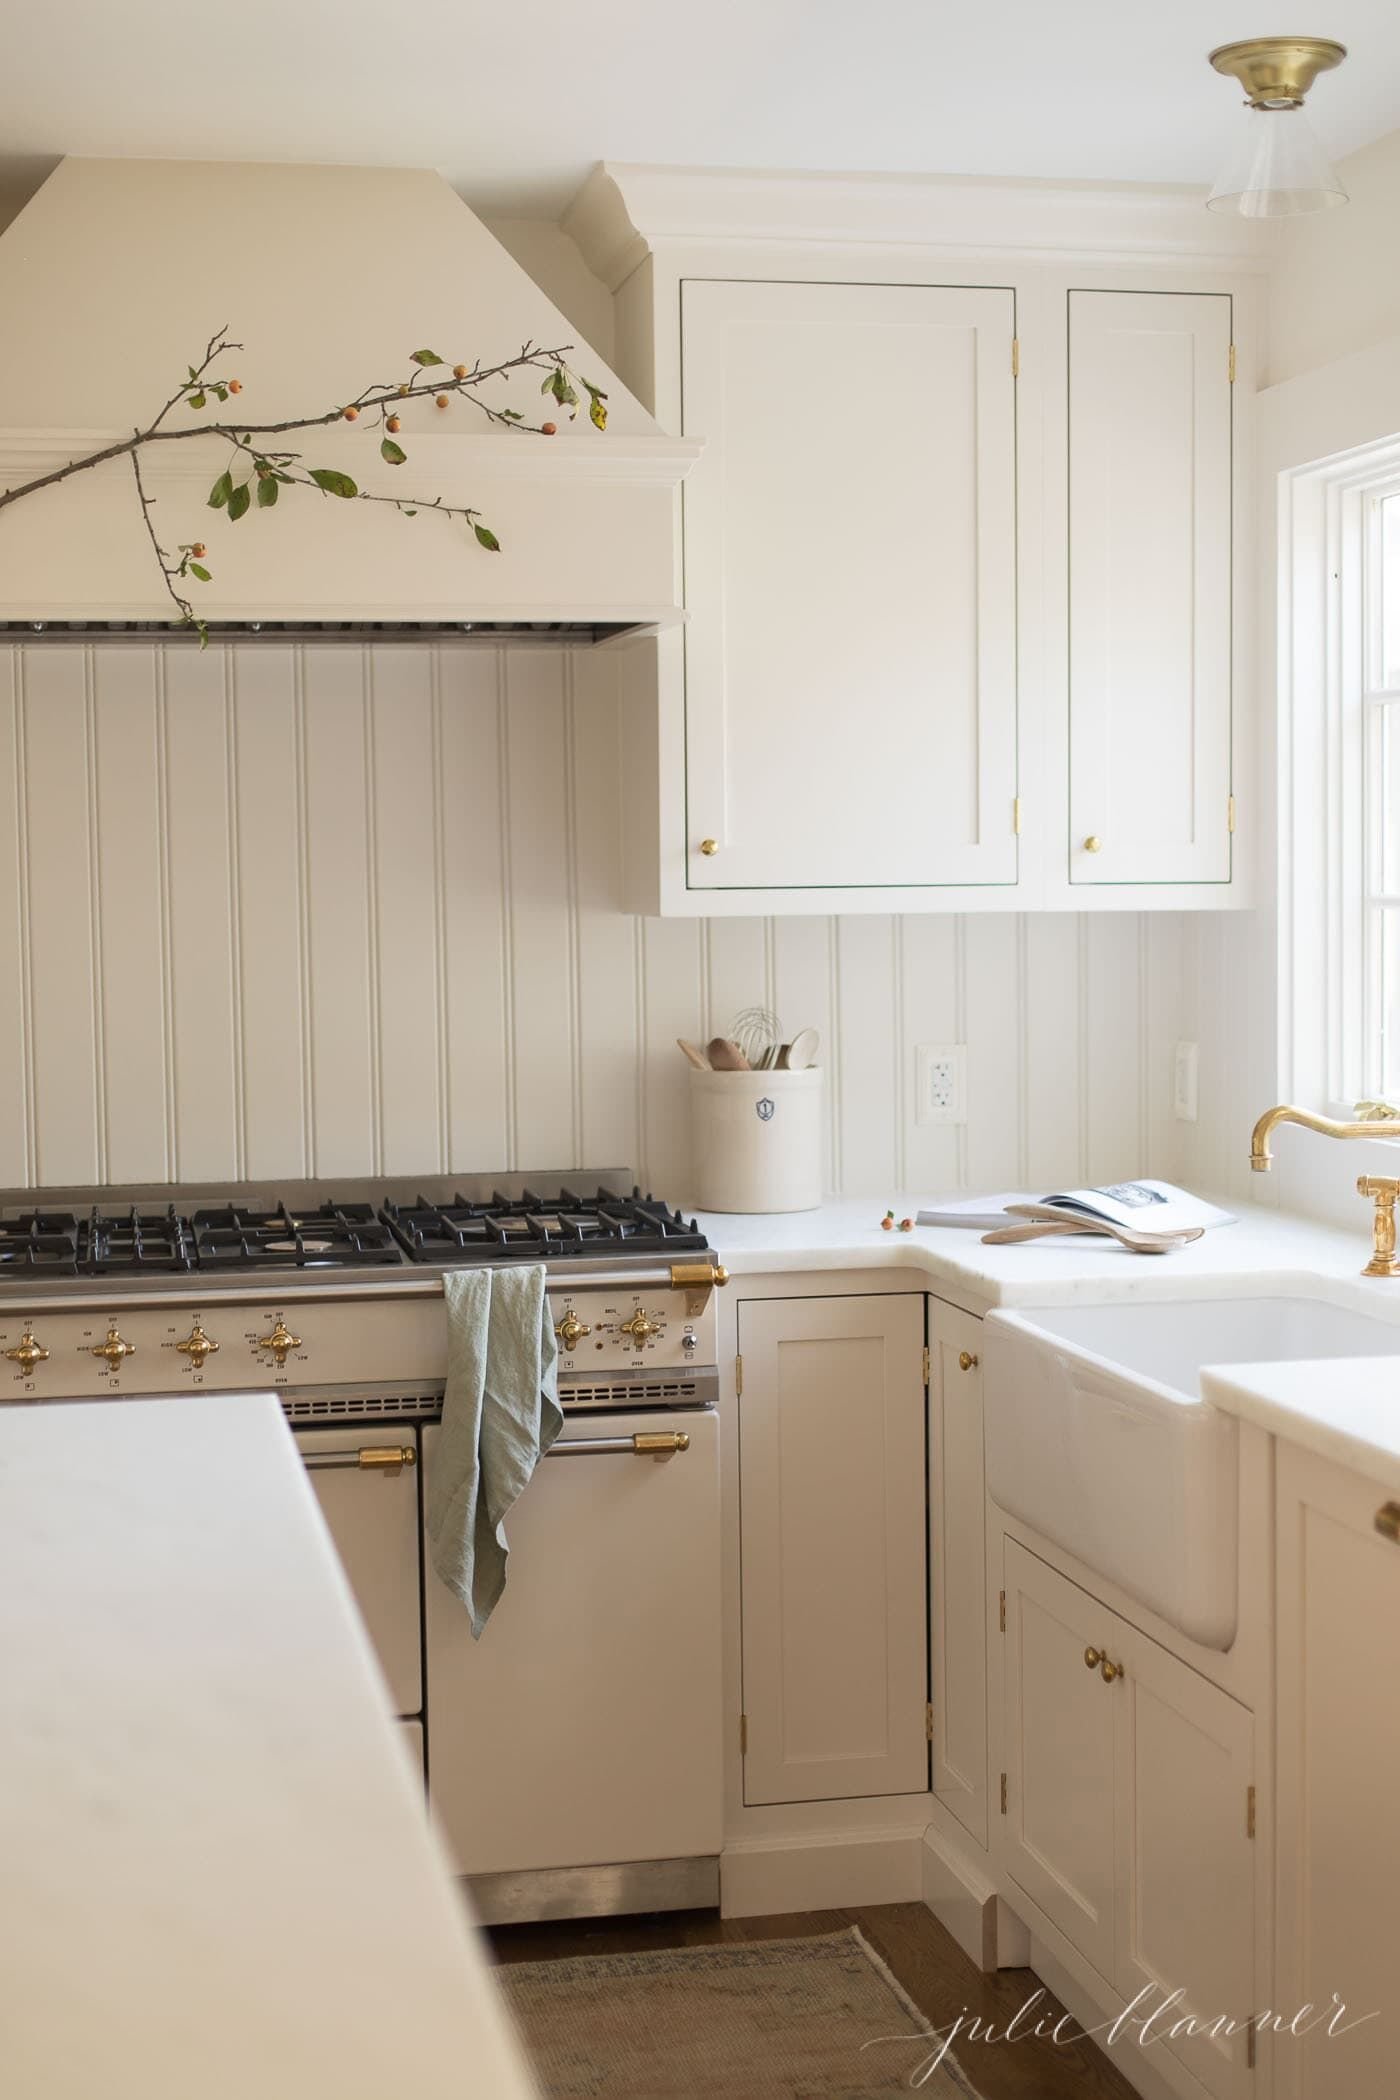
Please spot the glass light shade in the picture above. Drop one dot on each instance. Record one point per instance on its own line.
(1278, 169)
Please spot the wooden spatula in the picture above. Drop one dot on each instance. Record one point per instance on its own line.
(1042, 1221)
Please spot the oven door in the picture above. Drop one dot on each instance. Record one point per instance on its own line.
(366, 1481)
(575, 1760)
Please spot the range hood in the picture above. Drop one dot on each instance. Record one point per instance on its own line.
(113, 279)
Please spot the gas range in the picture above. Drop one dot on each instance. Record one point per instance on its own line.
(332, 1293)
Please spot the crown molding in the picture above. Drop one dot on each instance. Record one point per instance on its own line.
(626, 211)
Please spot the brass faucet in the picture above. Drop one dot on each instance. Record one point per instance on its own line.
(1382, 1190)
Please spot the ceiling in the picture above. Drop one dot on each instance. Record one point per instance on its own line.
(514, 104)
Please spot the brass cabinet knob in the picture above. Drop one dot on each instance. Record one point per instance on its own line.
(27, 1352)
(281, 1342)
(1109, 1670)
(570, 1332)
(1092, 1658)
(1387, 1518)
(197, 1345)
(641, 1327)
(708, 846)
(1093, 844)
(114, 1350)
(967, 1361)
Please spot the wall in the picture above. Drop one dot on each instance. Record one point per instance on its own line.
(1334, 363)
(268, 911)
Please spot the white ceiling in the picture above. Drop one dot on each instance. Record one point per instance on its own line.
(515, 102)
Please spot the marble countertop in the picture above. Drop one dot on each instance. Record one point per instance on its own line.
(218, 1873)
(1348, 1410)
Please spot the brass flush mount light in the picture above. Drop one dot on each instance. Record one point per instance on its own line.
(1279, 169)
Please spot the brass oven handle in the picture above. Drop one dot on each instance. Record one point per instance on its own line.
(386, 1459)
(659, 1443)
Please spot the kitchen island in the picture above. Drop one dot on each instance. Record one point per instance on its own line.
(218, 1876)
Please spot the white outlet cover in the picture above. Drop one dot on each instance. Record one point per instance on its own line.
(940, 1083)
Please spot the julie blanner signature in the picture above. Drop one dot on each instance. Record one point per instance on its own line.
(1164, 2022)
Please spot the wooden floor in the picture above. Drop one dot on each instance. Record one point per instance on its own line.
(931, 1966)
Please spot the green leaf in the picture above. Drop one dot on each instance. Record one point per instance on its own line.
(395, 454)
(333, 481)
(221, 393)
(512, 415)
(426, 357)
(486, 538)
(268, 492)
(408, 513)
(200, 572)
(197, 400)
(221, 491)
(239, 502)
(558, 385)
(597, 414)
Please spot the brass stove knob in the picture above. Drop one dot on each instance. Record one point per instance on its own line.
(197, 1345)
(570, 1332)
(27, 1352)
(114, 1350)
(281, 1342)
(641, 1327)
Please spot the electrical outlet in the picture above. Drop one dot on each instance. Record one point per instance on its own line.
(1185, 1082)
(940, 1083)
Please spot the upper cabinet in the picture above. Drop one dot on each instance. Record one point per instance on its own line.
(962, 557)
(1151, 383)
(850, 586)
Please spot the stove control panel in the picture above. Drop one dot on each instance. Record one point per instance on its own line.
(611, 1328)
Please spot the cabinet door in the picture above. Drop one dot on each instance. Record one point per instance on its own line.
(1059, 1840)
(850, 686)
(1150, 437)
(835, 1630)
(1338, 1826)
(1183, 1814)
(957, 1567)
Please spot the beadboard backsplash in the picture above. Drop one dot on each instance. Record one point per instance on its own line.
(271, 911)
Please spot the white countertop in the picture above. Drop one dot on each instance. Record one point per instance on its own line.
(1348, 1410)
(216, 1875)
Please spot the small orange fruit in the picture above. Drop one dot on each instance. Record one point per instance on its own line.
(393, 423)
(459, 371)
(199, 550)
(404, 388)
(235, 386)
(352, 414)
(443, 399)
(548, 429)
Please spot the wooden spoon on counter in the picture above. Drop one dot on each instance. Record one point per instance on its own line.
(725, 1056)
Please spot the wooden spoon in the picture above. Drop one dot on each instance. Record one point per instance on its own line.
(725, 1056)
(1034, 1224)
(693, 1056)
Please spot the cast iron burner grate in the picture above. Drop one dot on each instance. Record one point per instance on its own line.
(332, 1236)
(532, 1227)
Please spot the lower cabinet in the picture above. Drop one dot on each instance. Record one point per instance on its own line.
(1129, 1811)
(1337, 1841)
(832, 1528)
(957, 1560)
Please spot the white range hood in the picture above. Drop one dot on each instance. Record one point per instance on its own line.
(113, 279)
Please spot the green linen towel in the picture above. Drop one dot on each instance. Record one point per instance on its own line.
(500, 1414)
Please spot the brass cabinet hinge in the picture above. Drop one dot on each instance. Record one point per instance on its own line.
(1015, 357)
(1232, 364)
(1016, 815)
(928, 1367)
(1230, 812)
(738, 1374)
(743, 1735)
(1001, 1594)
(1249, 1814)
(928, 1721)
(1003, 1793)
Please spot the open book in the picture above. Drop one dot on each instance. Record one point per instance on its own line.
(1143, 1206)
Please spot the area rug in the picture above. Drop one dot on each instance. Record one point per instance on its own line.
(756, 2020)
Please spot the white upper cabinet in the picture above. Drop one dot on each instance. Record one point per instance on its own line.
(1150, 476)
(850, 581)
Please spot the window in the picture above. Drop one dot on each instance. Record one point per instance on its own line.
(1339, 804)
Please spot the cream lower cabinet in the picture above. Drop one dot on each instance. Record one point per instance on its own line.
(957, 1559)
(832, 1469)
(1128, 1812)
(1337, 1838)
